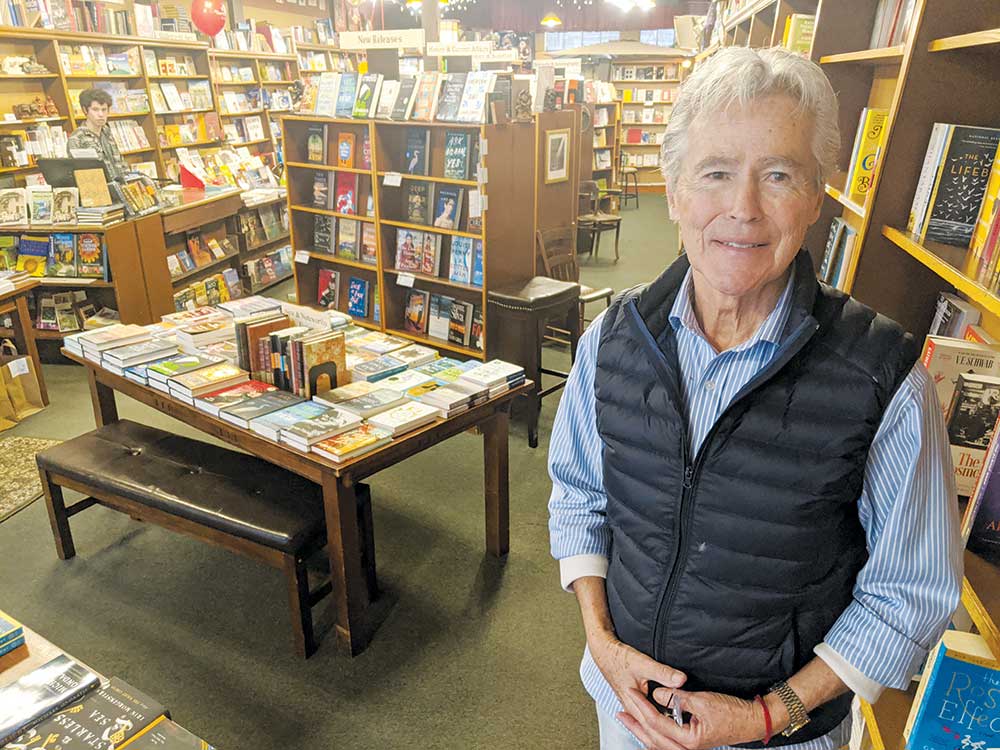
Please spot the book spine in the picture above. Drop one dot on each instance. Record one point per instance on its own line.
(14, 634)
(863, 170)
(925, 183)
(6, 648)
(981, 482)
(942, 161)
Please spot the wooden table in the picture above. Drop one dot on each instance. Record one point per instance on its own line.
(355, 619)
(15, 303)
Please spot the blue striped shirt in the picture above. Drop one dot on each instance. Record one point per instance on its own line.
(910, 585)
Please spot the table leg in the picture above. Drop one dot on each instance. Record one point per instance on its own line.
(24, 339)
(103, 399)
(495, 463)
(618, 232)
(349, 599)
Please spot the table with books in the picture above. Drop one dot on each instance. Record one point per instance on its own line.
(308, 391)
(14, 291)
(51, 699)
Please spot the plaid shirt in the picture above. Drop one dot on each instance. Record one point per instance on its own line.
(103, 144)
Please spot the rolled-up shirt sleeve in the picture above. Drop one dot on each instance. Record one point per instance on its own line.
(578, 530)
(910, 586)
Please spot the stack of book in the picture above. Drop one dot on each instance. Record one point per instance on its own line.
(11, 634)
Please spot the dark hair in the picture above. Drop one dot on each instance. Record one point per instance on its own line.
(91, 95)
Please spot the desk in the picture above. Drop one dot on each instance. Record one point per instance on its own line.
(16, 304)
(351, 601)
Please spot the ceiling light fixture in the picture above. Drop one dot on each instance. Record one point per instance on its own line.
(551, 20)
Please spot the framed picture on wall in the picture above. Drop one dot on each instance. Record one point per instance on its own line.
(557, 155)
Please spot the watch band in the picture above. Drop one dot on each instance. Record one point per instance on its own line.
(797, 713)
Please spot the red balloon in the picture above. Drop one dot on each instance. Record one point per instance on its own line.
(209, 15)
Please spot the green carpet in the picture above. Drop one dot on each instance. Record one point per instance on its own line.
(475, 653)
(19, 483)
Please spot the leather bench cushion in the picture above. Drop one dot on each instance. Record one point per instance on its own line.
(232, 492)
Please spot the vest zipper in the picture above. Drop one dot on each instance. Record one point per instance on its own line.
(692, 471)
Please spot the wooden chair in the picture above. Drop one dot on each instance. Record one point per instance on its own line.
(555, 250)
(595, 221)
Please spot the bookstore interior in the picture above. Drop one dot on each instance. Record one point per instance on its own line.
(337, 259)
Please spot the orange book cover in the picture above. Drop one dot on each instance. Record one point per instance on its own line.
(345, 150)
(324, 364)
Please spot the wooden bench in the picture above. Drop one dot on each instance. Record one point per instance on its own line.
(230, 499)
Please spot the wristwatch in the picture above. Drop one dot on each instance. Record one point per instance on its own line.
(796, 710)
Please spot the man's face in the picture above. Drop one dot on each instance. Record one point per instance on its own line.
(746, 194)
(97, 114)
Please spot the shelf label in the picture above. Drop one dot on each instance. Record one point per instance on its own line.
(301, 256)
(406, 279)
(475, 204)
(393, 179)
(397, 39)
(483, 175)
(484, 147)
(9, 117)
(458, 49)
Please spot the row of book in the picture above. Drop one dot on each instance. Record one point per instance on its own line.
(645, 116)
(233, 72)
(70, 311)
(22, 148)
(647, 96)
(129, 135)
(641, 160)
(420, 252)
(666, 72)
(269, 268)
(39, 204)
(66, 254)
(438, 205)
(199, 253)
(869, 143)
(840, 246)
(444, 318)
(62, 701)
(249, 129)
(193, 129)
(98, 60)
(445, 97)
(461, 154)
(892, 23)
(798, 32)
(346, 238)
(166, 97)
(124, 100)
(338, 191)
(168, 64)
(217, 288)
(640, 136)
(263, 224)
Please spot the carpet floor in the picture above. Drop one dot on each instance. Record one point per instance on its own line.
(19, 483)
(475, 652)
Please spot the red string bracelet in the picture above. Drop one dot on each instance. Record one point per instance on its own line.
(767, 719)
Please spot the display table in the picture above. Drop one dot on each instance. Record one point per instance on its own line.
(351, 604)
(15, 303)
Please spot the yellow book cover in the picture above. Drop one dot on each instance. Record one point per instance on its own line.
(173, 133)
(627, 95)
(872, 142)
(785, 33)
(987, 210)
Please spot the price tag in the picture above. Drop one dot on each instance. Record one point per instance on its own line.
(484, 203)
(18, 367)
(475, 204)
(9, 117)
(393, 179)
(405, 279)
(301, 256)
(483, 175)
(484, 147)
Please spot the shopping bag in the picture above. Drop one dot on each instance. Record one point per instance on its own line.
(20, 383)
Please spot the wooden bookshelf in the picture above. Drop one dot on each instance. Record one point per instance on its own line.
(506, 237)
(315, 59)
(612, 132)
(887, 717)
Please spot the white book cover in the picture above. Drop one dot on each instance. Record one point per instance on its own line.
(405, 380)
(405, 417)
(492, 373)
(473, 105)
(387, 100)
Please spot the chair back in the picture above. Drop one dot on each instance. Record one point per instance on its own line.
(556, 248)
(590, 194)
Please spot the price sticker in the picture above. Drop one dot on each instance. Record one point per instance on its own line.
(301, 256)
(393, 179)
(18, 367)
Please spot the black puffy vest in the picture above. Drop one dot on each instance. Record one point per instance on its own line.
(733, 564)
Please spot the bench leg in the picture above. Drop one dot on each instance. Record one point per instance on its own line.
(300, 609)
(497, 495)
(58, 518)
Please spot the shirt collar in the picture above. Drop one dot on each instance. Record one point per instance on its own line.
(682, 314)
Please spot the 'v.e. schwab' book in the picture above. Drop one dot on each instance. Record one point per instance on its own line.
(971, 420)
(41, 693)
(105, 719)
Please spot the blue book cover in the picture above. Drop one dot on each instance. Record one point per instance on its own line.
(460, 270)
(955, 705)
(357, 297)
(477, 262)
(281, 420)
(9, 628)
(346, 95)
(9, 646)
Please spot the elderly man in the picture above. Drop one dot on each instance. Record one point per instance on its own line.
(752, 495)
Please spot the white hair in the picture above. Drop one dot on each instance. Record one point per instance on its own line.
(738, 76)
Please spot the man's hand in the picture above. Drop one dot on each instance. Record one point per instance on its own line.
(716, 719)
(627, 669)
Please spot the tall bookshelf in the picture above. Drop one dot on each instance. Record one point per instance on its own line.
(646, 91)
(507, 242)
(607, 147)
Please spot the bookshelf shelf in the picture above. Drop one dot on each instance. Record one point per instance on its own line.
(15, 123)
(421, 124)
(427, 278)
(262, 245)
(249, 143)
(430, 178)
(138, 151)
(326, 212)
(945, 261)
(343, 261)
(68, 281)
(242, 114)
(280, 82)
(465, 351)
(189, 145)
(838, 195)
(32, 77)
(981, 598)
(880, 56)
(102, 77)
(327, 167)
(887, 717)
(436, 230)
(177, 78)
(184, 111)
(201, 269)
(964, 41)
(643, 82)
(254, 82)
(261, 287)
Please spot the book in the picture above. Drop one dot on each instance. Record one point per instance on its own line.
(477, 263)
(316, 422)
(952, 315)
(405, 99)
(474, 97)
(955, 696)
(347, 239)
(324, 232)
(321, 193)
(448, 206)
(357, 297)
(456, 155)
(426, 97)
(328, 291)
(316, 139)
(418, 145)
(337, 396)
(214, 401)
(952, 183)
(430, 254)
(415, 355)
(415, 316)
(946, 359)
(798, 33)
(365, 159)
(369, 88)
(460, 266)
(347, 193)
(346, 95)
(981, 520)
(40, 204)
(207, 379)
(33, 255)
(105, 718)
(10, 629)
(345, 150)
(373, 402)
(144, 351)
(476, 332)
(242, 412)
(375, 369)
(493, 373)
(460, 322)
(409, 250)
(90, 255)
(369, 244)
(869, 144)
(270, 425)
(352, 443)
(405, 380)
(62, 255)
(405, 417)
(41, 693)
(439, 316)
(419, 196)
(387, 100)
(13, 206)
(450, 96)
(166, 735)
(972, 416)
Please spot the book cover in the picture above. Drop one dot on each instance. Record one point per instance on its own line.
(439, 316)
(62, 254)
(13, 206)
(347, 193)
(981, 520)
(324, 231)
(316, 144)
(178, 365)
(271, 424)
(167, 735)
(477, 89)
(418, 202)
(365, 158)
(208, 379)
(972, 417)
(346, 95)
(450, 96)
(426, 97)
(409, 250)
(415, 355)
(369, 244)
(33, 254)
(357, 297)
(476, 331)
(328, 292)
(871, 137)
(415, 317)
(324, 363)
(377, 368)
(321, 191)
(369, 86)
(347, 239)
(345, 150)
(90, 255)
(961, 185)
(353, 443)
(460, 267)
(387, 100)
(448, 206)
(243, 412)
(319, 426)
(403, 105)
(41, 693)
(405, 417)
(456, 155)
(477, 262)
(418, 143)
(346, 392)
(430, 255)
(460, 322)
(40, 204)
(104, 719)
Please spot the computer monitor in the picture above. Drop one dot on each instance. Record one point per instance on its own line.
(59, 172)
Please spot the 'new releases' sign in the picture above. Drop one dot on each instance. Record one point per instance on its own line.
(404, 38)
